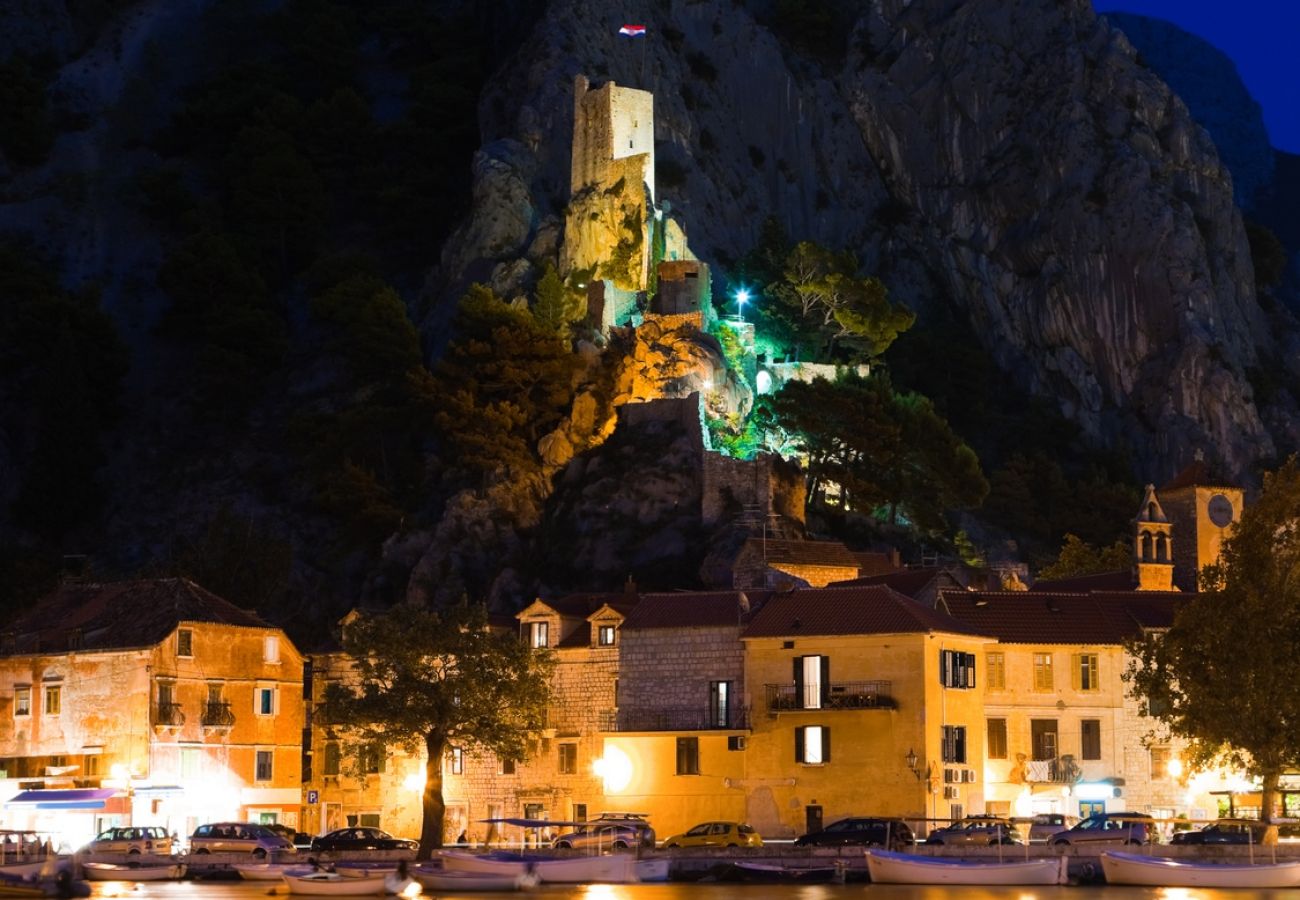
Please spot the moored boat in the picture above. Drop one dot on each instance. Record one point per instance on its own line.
(332, 884)
(616, 868)
(269, 871)
(652, 870)
(126, 872)
(1155, 871)
(770, 873)
(443, 880)
(887, 867)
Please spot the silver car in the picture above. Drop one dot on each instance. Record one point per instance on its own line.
(1110, 828)
(239, 837)
(977, 830)
(618, 831)
(132, 841)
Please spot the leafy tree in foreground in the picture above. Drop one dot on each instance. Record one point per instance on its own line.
(1226, 676)
(427, 680)
(1080, 558)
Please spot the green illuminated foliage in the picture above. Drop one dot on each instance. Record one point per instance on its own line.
(1080, 558)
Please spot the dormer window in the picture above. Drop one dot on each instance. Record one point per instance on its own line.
(604, 635)
(184, 642)
(271, 649)
(538, 635)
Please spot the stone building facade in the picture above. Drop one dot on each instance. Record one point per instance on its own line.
(1202, 511)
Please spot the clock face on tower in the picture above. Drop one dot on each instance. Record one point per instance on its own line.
(1220, 510)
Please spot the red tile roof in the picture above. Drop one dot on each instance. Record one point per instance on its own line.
(877, 563)
(873, 609)
(119, 615)
(690, 609)
(802, 553)
(582, 605)
(1034, 617)
(1098, 581)
(909, 581)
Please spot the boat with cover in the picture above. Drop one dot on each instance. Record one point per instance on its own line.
(888, 867)
(332, 884)
(1156, 871)
(97, 871)
(616, 868)
(453, 881)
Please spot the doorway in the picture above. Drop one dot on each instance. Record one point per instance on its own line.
(812, 819)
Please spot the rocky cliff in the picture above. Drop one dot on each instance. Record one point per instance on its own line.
(1015, 157)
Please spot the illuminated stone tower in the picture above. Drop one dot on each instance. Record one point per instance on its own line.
(1153, 545)
(1203, 509)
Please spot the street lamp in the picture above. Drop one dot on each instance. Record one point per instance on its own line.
(914, 764)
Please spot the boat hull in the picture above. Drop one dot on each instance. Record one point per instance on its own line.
(886, 867)
(269, 871)
(617, 868)
(764, 873)
(113, 872)
(1150, 871)
(332, 884)
(472, 881)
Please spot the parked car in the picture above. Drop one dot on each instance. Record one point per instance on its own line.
(979, 830)
(893, 833)
(300, 839)
(717, 834)
(239, 837)
(361, 838)
(142, 839)
(1044, 826)
(1113, 828)
(618, 831)
(1225, 831)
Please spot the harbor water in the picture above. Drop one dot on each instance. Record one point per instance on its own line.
(241, 890)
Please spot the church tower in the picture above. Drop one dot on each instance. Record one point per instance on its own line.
(1153, 545)
(1203, 508)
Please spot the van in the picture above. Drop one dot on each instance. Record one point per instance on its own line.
(238, 837)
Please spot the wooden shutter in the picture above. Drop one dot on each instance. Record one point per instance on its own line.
(944, 665)
(1076, 664)
(826, 678)
(798, 743)
(826, 744)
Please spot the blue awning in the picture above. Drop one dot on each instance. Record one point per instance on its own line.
(67, 798)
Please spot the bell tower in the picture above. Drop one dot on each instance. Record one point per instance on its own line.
(1153, 552)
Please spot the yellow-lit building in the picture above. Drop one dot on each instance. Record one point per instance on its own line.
(150, 702)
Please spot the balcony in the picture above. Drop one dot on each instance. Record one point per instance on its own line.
(838, 695)
(1058, 770)
(218, 715)
(685, 718)
(168, 715)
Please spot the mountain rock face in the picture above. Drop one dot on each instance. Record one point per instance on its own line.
(1207, 81)
(1011, 156)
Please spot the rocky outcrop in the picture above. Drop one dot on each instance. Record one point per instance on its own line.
(1206, 80)
(1013, 155)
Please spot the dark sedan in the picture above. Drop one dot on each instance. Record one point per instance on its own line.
(891, 833)
(349, 840)
(1225, 831)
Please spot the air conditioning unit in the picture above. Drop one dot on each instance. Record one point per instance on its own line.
(968, 776)
(951, 775)
(736, 742)
(950, 793)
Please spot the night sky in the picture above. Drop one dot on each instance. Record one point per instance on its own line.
(1259, 35)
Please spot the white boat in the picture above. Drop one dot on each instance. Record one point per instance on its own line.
(125, 872)
(452, 881)
(269, 871)
(616, 868)
(886, 867)
(652, 870)
(1155, 871)
(332, 884)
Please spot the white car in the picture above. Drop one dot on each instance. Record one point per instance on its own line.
(1044, 826)
(132, 841)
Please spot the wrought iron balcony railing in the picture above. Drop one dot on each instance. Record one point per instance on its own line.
(218, 715)
(169, 714)
(1059, 770)
(685, 718)
(836, 695)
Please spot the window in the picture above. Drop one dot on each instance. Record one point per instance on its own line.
(53, 699)
(995, 671)
(538, 634)
(1159, 763)
(1090, 739)
(956, 811)
(332, 758)
(605, 636)
(1085, 672)
(90, 765)
(456, 761)
(720, 704)
(370, 759)
(264, 701)
(812, 676)
(997, 738)
(1042, 736)
(568, 759)
(22, 701)
(265, 765)
(506, 767)
(271, 649)
(214, 692)
(812, 745)
(368, 820)
(1043, 680)
(956, 669)
(184, 642)
(579, 812)
(189, 762)
(688, 756)
(954, 743)
(166, 695)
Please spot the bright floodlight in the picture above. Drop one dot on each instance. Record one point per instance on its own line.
(742, 296)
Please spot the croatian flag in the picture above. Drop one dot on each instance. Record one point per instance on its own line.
(632, 30)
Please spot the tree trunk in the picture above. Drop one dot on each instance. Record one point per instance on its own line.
(1269, 796)
(433, 807)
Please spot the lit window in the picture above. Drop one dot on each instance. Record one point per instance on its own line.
(184, 642)
(688, 756)
(812, 745)
(271, 649)
(1159, 763)
(995, 671)
(811, 681)
(954, 743)
(265, 765)
(22, 701)
(456, 761)
(1043, 680)
(1085, 672)
(53, 699)
(538, 634)
(370, 759)
(720, 704)
(956, 669)
(90, 765)
(605, 636)
(189, 762)
(568, 759)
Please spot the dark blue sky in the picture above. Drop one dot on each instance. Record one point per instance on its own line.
(1261, 36)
